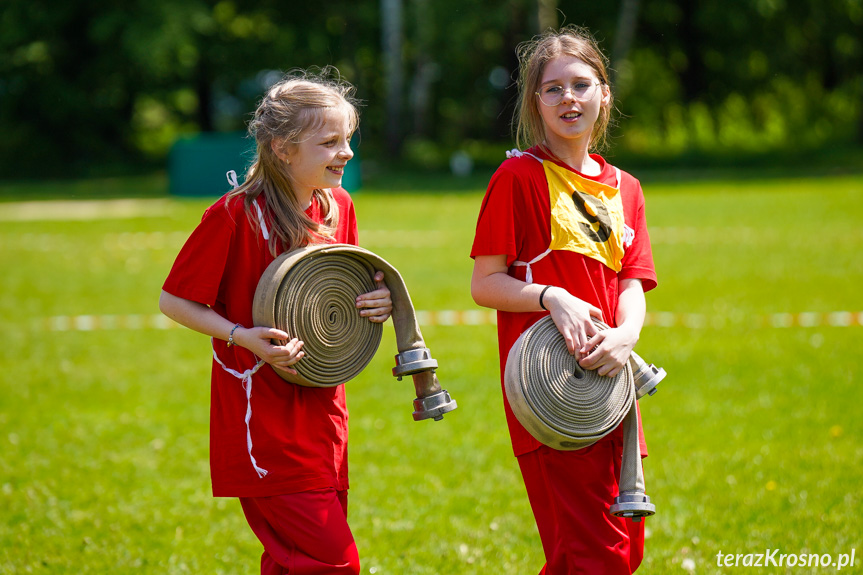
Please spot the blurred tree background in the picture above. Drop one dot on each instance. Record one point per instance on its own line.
(93, 87)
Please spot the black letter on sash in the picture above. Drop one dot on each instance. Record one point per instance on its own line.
(602, 218)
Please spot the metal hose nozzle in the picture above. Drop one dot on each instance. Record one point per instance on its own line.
(310, 293)
(568, 408)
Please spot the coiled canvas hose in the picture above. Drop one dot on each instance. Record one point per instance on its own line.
(568, 408)
(310, 293)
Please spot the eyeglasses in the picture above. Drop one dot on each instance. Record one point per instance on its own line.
(553, 95)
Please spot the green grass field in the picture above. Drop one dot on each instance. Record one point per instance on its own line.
(754, 436)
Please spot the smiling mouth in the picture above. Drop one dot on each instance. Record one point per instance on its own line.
(571, 116)
(339, 170)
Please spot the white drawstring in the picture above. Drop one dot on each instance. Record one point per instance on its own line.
(246, 378)
(264, 231)
(516, 153)
(232, 179)
(628, 236)
(528, 276)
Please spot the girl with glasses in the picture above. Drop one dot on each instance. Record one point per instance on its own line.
(562, 232)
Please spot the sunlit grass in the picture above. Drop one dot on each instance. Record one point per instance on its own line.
(753, 437)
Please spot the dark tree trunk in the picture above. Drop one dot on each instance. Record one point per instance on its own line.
(692, 77)
(625, 35)
(424, 72)
(515, 32)
(546, 14)
(391, 30)
(204, 91)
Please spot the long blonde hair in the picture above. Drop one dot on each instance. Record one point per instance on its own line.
(533, 56)
(293, 109)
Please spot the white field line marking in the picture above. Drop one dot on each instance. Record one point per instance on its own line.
(160, 240)
(411, 239)
(731, 235)
(111, 242)
(483, 317)
(373, 239)
(77, 210)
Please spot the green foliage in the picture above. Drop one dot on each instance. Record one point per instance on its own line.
(752, 437)
(85, 86)
(100, 83)
(742, 77)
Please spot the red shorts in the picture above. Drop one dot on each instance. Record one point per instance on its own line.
(570, 493)
(304, 533)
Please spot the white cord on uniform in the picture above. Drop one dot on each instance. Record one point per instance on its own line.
(528, 276)
(264, 231)
(232, 179)
(246, 378)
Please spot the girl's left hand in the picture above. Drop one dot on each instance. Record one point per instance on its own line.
(376, 305)
(610, 351)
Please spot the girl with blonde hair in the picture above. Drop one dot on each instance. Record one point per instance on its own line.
(283, 451)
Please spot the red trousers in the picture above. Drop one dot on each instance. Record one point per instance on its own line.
(304, 533)
(570, 493)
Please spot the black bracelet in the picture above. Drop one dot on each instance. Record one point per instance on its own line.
(541, 294)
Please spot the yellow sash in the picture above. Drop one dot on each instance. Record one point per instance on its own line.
(586, 216)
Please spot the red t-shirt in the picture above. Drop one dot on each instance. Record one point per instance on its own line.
(515, 220)
(299, 434)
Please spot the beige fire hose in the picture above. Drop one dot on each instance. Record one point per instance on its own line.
(568, 408)
(310, 293)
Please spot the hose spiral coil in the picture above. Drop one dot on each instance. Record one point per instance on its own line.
(310, 293)
(314, 300)
(567, 407)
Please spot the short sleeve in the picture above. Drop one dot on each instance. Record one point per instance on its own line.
(638, 259)
(496, 231)
(351, 224)
(197, 272)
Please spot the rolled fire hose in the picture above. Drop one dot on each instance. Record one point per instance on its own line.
(568, 408)
(310, 293)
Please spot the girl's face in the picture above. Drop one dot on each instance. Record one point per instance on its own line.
(319, 160)
(581, 96)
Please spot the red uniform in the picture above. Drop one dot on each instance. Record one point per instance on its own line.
(298, 434)
(515, 221)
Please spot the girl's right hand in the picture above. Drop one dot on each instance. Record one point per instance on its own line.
(572, 316)
(282, 354)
